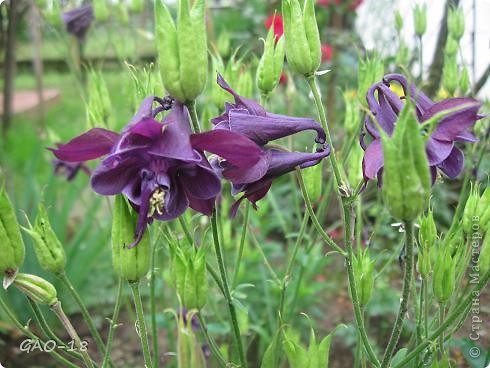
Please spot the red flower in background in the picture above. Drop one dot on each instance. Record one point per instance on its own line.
(278, 25)
(327, 52)
(283, 79)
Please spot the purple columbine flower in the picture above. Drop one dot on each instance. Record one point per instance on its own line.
(441, 149)
(250, 119)
(155, 165)
(78, 21)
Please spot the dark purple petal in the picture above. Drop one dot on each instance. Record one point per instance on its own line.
(253, 107)
(112, 176)
(204, 206)
(262, 129)
(437, 151)
(284, 162)
(373, 160)
(457, 123)
(249, 174)
(93, 144)
(174, 140)
(454, 163)
(148, 128)
(201, 182)
(254, 192)
(235, 148)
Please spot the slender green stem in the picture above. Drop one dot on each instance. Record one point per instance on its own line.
(140, 317)
(56, 308)
(241, 244)
(441, 321)
(407, 285)
(153, 312)
(191, 106)
(323, 120)
(48, 332)
(453, 317)
(25, 330)
(212, 344)
(349, 220)
(264, 258)
(290, 265)
(421, 59)
(426, 308)
(113, 326)
(313, 217)
(227, 294)
(86, 315)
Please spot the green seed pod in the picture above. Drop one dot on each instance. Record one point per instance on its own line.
(303, 47)
(406, 177)
(271, 64)
(224, 44)
(12, 249)
(364, 275)
(484, 259)
(189, 274)
(182, 49)
(424, 262)
(451, 46)
(470, 213)
(464, 81)
(370, 70)
(398, 21)
(450, 74)
(455, 23)
(420, 19)
(129, 264)
(444, 275)
(36, 288)
(101, 10)
(428, 230)
(49, 251)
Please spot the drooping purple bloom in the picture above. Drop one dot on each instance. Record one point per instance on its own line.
(441, 149)
(78, 21)
(155, 165)
(69, 169)
(250, 119)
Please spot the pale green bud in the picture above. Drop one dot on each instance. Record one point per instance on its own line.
(363, 267)
(444, 275)
(470, 213)
(224, 44)
(271, 64)
(369, 72)
(36, 288)
(398, 21)
(420, 19)
(450, 74)
(101, 10)
(451, 46)
(464, 81)
(455, 23)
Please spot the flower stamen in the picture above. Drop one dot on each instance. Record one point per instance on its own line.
(157, 202)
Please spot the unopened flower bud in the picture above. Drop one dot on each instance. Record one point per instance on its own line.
(363, 267)
(189, 350)
(370, 70)
(483, 210)
(403, 54)
(470, 213)
(455, 23)
(424, 262)
(428, 230)
(101, 10)
(182, 49)
(134, 263)
(354, 165)
(398, 21)
(312, 177)
(49, 251)
(484, 259)
(245, 84)
(406, 177)
(444, 275)
(122, 13)
(99, 107)
(451, 46)
(36, 288)
(351, 115)
(271, 64)
(224, 44)
(450, 74)
(464, 81)
(303, 47)
(12, 249)
(420, 19)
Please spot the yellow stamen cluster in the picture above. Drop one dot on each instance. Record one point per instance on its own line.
(157, 202)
